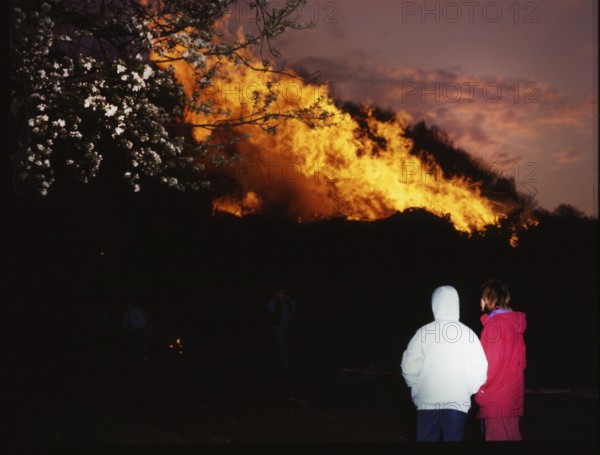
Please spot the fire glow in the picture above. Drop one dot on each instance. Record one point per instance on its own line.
(358, 170)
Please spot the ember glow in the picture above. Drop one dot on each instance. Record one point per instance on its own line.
(178, 345)
(350, 169)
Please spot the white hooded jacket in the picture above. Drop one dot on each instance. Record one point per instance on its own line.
(444, 363)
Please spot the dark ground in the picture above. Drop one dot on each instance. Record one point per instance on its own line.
(363, 290)
(180, 401)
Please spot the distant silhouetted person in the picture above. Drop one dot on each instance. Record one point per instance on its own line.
(281, 309)
(135, 324)
(444, 364)
(501, 397)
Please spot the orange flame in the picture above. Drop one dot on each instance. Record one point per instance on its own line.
(312, 173)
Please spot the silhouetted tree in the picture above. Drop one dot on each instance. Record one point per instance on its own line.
(433, 141)
(568, 211)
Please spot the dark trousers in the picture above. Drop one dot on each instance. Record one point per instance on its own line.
(449, 424)
(279, 353)
(140, 343)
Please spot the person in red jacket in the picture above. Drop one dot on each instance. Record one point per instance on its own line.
(501, 397)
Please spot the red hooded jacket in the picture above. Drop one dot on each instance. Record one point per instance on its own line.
(502, 340)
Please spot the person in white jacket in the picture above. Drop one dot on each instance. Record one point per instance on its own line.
(444, 364)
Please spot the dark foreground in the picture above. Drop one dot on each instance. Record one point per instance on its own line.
(363, 290)
(176, 402)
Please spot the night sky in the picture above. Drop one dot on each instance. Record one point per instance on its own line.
(513, 83)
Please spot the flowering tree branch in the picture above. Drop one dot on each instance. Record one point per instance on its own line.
(90, 84)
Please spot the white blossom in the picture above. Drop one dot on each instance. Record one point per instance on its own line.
(110, 110)
(148, 71)
(138, 79)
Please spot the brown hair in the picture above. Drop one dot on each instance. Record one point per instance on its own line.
(495, 294)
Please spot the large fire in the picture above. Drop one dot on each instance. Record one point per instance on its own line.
(311, 173)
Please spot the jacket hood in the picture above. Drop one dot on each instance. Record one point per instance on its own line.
(517, 319)
(445, 304)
